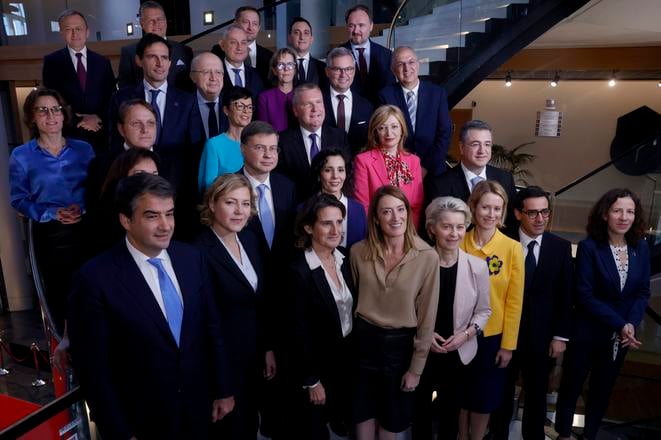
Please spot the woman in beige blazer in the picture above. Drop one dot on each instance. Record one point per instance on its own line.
(463, 310)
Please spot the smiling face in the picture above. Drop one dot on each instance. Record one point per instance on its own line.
(155, 63)
(359, 27)
(139, 127)
(74, 31)
(300, 37)
(620, 217)
(285, 69)
(326, 232)
(475, 149)
(340, 72)
(231, 210)
(449, 230)
(260, 154)
(405, 67)
(152, 224)
(389, 134)
(309, 109)
(333, 175)
(153, 21)
(249, 21)
(239, 113)
(488, 212)
(391, 216)
(207, 74)
(48, 122)
(235, 46)
(533, 227)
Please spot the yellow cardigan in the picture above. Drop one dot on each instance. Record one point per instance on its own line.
(504, 257)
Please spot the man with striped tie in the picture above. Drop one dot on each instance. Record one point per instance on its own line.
(146, 339)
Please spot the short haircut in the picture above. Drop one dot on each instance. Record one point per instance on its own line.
(232, 27)
(486, 187)
(441, 205)
(303, 88)
(122, 165)
(235, 94)
(69, 13)
(275, 60)
(319, 162)
(131, 188)
(299, 20)
(196, 60)
(309, 215)
(597, 227)
(242, 9)
(396, 52)
(529, 192)
(256, 128)
(126, 106)
(221, 186)
(149, 39)
(375, 238)
(149, 5)
(355, 8)
(379, 117)
(475, 124)
(31, 101)
(337, 52)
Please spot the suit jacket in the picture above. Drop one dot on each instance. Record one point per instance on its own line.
(130, 74)
(253, 81)
(293, 160)
(604, 308)
(369, 174)
(316, 73)
(361, 112)
(547, 301)
(379, 74)
(471, 300)
(318, 331)
(433, 127)
(356, 222)
(220, 114)
(135, 378)
(59, 73)
(263, 64)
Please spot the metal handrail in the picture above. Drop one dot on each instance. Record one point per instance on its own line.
(391, 31)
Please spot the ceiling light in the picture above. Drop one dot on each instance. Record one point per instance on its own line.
(508, 80)
(555, 81)
(129, 29)
(208, 18)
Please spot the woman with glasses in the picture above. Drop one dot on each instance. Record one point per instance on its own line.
(275, 105)
(222, 153)
(47, 177)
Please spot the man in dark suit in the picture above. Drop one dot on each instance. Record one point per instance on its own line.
(84, 79)
(475, 142)
(309, 69)
(344, 109)
(207, 73)
(425, 107)
(238, 73)
(145, 335)
(546, 315)
(298, 145)
(258, 57)
(372, 60)
(153, 21)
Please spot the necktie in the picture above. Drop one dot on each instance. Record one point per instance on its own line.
(412, 107)
(362, 63)
(174, 309)
(265, 215)
(301, 71)
(154, 104)
(530, 263)
(237, 77)
(213, 120)
(475, 180)
(314, 148)
(80, 71)
(341, 118)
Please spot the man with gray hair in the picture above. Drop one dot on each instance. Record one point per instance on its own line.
(207, 73)
(345, 109)
(238, 73)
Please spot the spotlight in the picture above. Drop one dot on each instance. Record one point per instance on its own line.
(207, 18)
(555, 81)
(612, 82)
(508, 80)
(129, 29)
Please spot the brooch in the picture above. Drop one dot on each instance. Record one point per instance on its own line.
(494, 264)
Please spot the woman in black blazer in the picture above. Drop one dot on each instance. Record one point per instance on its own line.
(236, 272)
(612, 289)
(320, 279)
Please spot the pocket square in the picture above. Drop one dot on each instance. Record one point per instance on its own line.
(361, 122)
(180, 63)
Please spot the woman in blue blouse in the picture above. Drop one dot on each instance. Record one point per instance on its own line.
(612, 289)
(47, 176)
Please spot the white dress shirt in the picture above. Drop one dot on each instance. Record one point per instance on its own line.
(252, 51)
(244, 264)
(150, 273)
(268, 193)
(74, 59)
(308, 142)
(160, 98)
(306, 62)
(469, 175)
(348, 105)
(204, 111)
(230, 72)
(415, 95)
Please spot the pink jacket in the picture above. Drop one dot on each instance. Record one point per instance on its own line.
(370, 174)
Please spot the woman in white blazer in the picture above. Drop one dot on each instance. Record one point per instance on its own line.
(463, 310)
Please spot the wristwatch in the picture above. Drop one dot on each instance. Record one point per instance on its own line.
(478, 330)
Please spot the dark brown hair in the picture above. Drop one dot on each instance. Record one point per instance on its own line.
(309, 215)
(30, 102)
(597, 227)
(122, 165)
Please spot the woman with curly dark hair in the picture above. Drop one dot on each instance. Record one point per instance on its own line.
(612, 290)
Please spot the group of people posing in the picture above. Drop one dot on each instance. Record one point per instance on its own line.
(337, 275)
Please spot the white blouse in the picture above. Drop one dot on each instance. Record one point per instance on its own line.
(244, 264)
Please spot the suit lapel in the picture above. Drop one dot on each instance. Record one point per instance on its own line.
(300, 155)
(222, 257)
(460, 182)
(462, 286)
(328, 104)
(606, 257)
(324, 290)
(171, 107)
(70, 69)
(379, 167)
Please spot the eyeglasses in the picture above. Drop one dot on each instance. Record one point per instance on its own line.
(286, 66)
(347, 70)
(409, 63)
(533, 213)
(208, 72)
(243, 107)
(273, 149)
(44, 111)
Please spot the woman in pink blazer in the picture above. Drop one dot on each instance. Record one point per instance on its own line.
(385, 162)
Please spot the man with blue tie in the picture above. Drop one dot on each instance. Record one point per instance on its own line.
(146, 339)
(425, 106)
(234, 43)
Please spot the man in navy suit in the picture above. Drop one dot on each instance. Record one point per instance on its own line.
(153, 21)
(344, 109)
(234, 43)
(545, 318)
(145, 335)
(300, 38)
(298, 145)
(372, 60)
(207, 73)
(425, 107)
(84, 79)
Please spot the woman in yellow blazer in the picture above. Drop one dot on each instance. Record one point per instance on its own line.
(504, 259)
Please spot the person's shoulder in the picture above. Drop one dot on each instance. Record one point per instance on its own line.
(280, 180)
(376, 47)
(80, 145)
(424, 248)
(189, 252)
(56, 54)
(556, 239)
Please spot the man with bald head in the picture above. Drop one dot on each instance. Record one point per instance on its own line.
(207, 73)
(238, 73)
(425, 106)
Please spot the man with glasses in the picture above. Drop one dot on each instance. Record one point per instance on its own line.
(300, 38)
(207, 73)
(238, 73)
(545, 318)
(344, 109)
(425, 106)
